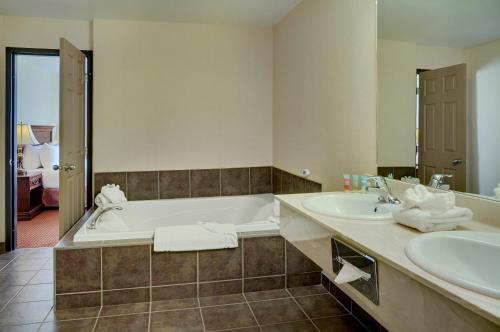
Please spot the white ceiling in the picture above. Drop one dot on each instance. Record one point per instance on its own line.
(264, 13)
(451, 23)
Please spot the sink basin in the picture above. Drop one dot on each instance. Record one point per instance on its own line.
(467, 259)
(364, 207)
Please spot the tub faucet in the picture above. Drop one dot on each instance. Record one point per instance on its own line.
(437, 180)
(99, 212)
(385, 194)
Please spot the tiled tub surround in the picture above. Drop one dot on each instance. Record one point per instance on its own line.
(410, 298)
(205, 182)
(27, 305)
(89, 277)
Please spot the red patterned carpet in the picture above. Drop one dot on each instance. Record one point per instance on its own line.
(41, 231)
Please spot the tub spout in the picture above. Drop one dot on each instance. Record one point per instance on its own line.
(99, 212)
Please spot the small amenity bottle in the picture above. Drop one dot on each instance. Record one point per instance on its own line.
(347, 182)
(355, 183)
(364, 183)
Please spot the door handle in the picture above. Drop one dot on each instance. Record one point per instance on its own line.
(66, 168)
(456, 162)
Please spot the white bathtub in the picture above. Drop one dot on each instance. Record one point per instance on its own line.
(138, 219)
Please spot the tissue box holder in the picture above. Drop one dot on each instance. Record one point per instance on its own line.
(368, 283)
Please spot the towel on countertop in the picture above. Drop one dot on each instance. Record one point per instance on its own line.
(110, 194)
(429, 212)
(202, 236)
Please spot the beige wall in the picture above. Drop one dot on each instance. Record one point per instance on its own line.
(325, 90)
(397, 65)
(396, 103)
(35, 33)
(175, 96)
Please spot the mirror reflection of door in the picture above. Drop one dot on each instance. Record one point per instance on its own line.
(442, 127)
(72, 136)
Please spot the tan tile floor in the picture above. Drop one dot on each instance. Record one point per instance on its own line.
(26, 301)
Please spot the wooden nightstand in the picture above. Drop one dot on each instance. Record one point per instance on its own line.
(29, 196)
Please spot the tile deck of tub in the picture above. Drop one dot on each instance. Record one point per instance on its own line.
(26, 304)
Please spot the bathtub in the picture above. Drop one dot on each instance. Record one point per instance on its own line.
(138, 219)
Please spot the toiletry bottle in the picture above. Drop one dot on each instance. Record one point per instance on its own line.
(364, 183)
(347, 182)
(355, 183)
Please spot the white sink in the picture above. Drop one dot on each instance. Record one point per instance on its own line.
(359, 206)
(467, 259)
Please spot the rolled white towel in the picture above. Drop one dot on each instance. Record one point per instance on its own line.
(497, 191)
(101, 200)
(113, 193)
(430, 212)
(434, 203)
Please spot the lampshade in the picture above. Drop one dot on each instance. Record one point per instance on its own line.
(25, 134)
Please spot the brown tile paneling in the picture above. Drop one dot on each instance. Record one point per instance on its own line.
(277, 311)
(222, 264)
(318, 306)
(277, 176)
(102, 179)
(205, 182)
(312, 187)
(297, 262)
(221, 299)
(308, 290)
(261, 180)
(342, 297)
(220, 288)
(264, 256)
(235, 181)
(385, 171)
(339, 323)
(122, 296)
(173, 268)
(142, 185)
(228, 317)
(302, 326)
(124, 309)
(175, 292)
(267, 295)
(137, 322)
(174, 184)
(80, 300)
(77, 313)
(400, 172)
(78, 270)
(304, 279)
(125, 267)
(264, 283)
(174, 304)
(292, 184)
(365, 317)
(188, 320)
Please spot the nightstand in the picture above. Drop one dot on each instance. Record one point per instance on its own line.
(29, 195)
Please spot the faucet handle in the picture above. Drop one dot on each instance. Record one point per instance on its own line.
(438, 179)
(379, 181)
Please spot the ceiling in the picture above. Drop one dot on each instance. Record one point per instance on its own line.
(450, 23)
(265, 13)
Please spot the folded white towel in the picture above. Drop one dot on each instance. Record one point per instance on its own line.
(202, 236)
(101, 200)
(113, 193)
(430, 212)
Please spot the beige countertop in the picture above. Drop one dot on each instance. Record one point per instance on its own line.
(387, 242)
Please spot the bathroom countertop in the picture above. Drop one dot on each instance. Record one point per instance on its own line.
(387, 242)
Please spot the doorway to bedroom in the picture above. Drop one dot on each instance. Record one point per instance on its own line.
(33, 96)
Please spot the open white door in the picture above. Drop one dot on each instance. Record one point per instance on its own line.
(71, 136)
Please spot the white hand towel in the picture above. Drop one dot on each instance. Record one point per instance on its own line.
(203, 236)
(113, 193)
(430, 212)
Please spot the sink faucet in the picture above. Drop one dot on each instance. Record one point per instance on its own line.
(99, 212)
(385, 194)
(437, 180)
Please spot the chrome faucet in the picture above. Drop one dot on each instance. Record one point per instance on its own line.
(99, 212)
(437, 180)
(385, 194)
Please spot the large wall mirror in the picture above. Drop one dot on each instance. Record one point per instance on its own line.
(439, 93)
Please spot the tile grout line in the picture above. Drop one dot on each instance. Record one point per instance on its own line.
(243, 266)
(301, 309)
(97, 319)
(201, 314)
(198, 275)
(251, 311)
(149, 315)
(102, 283)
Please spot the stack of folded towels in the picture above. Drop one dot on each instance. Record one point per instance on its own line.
(202, 236)
(110, 194)
(429, 212)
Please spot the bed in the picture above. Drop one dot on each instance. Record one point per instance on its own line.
(35, 162)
